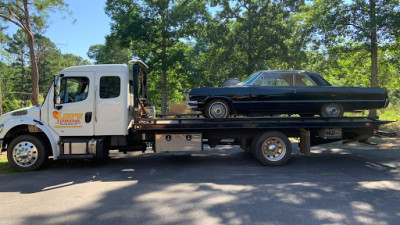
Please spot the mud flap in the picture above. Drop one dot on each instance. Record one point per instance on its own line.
(304, 141)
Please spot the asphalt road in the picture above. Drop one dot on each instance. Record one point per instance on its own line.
(355, 184)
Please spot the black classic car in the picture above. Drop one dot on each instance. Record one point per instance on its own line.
(285, 92)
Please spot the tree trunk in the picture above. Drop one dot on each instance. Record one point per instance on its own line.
(164, 77)
(32, 53)
(250, 66)
(1, 100)
(374, 53)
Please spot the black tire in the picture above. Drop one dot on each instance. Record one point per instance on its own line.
(217, 108)
(31, 150)
(272, 148)
(332, 110)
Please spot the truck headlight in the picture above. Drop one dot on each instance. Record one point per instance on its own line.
(1, 127)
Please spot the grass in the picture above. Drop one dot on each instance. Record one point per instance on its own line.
(5, 167)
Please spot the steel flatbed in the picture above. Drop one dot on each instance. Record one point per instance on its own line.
(265, 137)
(206, 124)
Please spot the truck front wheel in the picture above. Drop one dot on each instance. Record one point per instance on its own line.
(272, 148)
(26, 153)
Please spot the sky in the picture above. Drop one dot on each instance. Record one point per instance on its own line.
(90, 27)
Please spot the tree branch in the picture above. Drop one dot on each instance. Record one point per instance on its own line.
(12, 14)
(15, 16)
(12, 21)
(20, 8)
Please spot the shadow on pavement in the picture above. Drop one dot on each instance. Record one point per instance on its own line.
(224, 186)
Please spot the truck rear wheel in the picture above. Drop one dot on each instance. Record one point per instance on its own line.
(272, 148)
(26, 153)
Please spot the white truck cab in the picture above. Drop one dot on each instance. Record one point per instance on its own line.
(87, 100)
(85, 103)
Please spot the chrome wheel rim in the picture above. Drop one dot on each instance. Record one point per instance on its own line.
(332, 110)
(218, 110)
(25, 154)
(274, 149)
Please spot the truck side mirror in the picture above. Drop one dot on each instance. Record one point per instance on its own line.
(57, 85)
(57, 90)
(57, 100)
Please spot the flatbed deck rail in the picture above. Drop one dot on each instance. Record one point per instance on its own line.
(166, 124)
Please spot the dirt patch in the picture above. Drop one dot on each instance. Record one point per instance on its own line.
(382, 143)
(387, 142)
(395, 126)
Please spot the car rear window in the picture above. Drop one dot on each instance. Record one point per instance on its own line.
(318, 79)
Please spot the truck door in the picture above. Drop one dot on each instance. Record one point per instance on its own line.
(73, 116)
(111, 108)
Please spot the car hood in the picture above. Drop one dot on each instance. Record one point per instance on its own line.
(32, 112)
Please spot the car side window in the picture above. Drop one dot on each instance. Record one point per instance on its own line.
(303, 80)
(110, 87)
(275, 80)
(74, 89)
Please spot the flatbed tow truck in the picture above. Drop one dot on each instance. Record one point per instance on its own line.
(93, 109)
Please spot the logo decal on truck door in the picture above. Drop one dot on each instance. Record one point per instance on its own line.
(68, 120)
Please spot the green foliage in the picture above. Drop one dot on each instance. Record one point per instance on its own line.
(332, 22)
(185, 47)
(246, 36)
(109, 54)
(15, 77)
(9, 105)
(153, 30)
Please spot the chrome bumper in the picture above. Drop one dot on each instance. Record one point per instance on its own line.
(193, 105)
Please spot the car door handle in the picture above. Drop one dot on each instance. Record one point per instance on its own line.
(88, 117)
(292, 90)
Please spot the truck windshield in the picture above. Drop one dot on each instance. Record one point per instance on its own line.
(249, 80)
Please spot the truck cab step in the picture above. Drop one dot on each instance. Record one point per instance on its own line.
(76, 156)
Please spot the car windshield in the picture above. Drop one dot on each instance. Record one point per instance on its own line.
(249, 80)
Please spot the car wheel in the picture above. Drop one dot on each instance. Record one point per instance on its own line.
(26, 153)
(217, 108)
(332, 110)
(272, 148)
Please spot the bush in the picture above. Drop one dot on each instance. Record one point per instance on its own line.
(9, 106)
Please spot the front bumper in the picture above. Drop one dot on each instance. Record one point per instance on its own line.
(193, 105)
